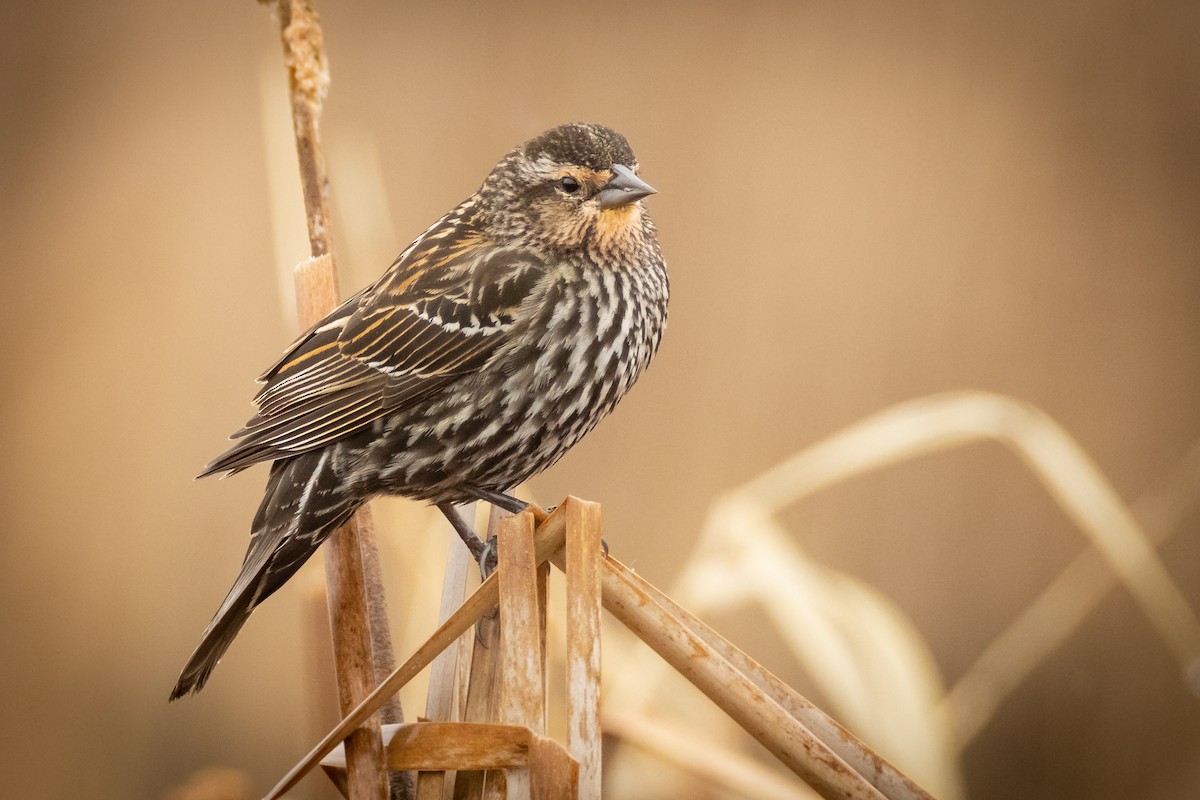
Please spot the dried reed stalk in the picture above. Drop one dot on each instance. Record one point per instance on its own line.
(583, 557)
(522, 689)
(890, 782)
(482, 689)
(359, 626)
(349, 616)
(507, 691)
(549, 537)
(762, 706)
(745, 555)
(727, 686)
(443, 674)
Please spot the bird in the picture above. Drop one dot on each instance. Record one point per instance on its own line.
(492, 344)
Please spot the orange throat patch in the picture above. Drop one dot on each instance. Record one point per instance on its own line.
(615, 226)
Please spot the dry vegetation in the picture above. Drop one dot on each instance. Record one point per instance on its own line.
(859, 209)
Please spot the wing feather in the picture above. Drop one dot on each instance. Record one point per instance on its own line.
(322, 379)
(441, 311)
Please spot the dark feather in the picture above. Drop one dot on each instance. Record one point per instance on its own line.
(441, 311)
(299, 511)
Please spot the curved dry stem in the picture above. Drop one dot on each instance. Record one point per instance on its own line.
(854, 643)
(1074, 481)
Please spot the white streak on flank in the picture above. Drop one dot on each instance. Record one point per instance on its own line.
(607, 310)
(563, 312)
(491, 430)
(577, 366)
(454, 422)
(311, 483)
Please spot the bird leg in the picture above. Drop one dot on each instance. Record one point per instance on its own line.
(513, 506)
(487, 555)
(499, 499)
(465, 531)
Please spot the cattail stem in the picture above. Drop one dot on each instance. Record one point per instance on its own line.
(358, 617)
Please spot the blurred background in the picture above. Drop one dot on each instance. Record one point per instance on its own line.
(860, 205)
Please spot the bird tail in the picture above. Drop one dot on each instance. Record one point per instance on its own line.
(304, 503)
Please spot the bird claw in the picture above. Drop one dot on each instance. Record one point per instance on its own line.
(488, 557)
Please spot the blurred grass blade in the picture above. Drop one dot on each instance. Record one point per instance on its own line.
(1060, 609)
(861, 650)
(941, 421)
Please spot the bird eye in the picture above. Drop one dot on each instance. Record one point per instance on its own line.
(569, 184)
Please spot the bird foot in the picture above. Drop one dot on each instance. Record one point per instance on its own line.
(488, 558)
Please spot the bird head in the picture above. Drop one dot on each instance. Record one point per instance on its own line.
(574, 187)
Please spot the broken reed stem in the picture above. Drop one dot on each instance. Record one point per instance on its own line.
(583, 555)
(358, 617)
(522, 689)
(349, 617)
(548, 537)
(766, 709)
(440, 705)
(732, 690)
(890, 782)
(308, 82)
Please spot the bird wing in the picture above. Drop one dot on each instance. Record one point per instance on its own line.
(442, 310)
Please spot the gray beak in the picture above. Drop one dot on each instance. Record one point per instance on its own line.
(624, 188)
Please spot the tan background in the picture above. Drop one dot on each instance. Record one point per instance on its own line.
(860, 205)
